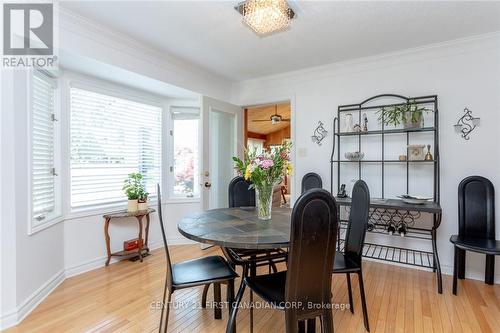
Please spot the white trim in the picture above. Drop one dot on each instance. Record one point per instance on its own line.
(32, 301)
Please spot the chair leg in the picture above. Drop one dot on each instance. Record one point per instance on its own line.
(217, 301)
(363, 300)
(273, 266)
(349, 291)
(230, 295)
(291, 323)
(311, 325)
(456, 260)
(302, 326)
(461, 264)
(165, 305)
(204, 296)
(327, 322)
(231, 323)
(489, 272)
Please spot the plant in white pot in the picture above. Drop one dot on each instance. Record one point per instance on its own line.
(143, 199)
(133, 188)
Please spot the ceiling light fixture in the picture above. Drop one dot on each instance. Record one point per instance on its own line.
(266, 17)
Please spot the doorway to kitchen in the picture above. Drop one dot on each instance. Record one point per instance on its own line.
(266, 127)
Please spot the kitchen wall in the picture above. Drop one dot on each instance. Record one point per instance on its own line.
(464, 73)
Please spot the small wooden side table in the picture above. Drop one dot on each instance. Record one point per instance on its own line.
(143, 250)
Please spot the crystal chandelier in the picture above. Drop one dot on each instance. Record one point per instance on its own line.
(266, 16)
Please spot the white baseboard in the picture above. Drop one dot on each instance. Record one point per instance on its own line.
(32, 301)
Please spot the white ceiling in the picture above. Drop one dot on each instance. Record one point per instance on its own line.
(211, 35)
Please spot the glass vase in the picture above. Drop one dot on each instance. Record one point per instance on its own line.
(264, 201)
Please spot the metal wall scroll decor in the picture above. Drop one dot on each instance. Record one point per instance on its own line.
(466, 124)
(319, 133)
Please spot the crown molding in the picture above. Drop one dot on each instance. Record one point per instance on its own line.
(73, 23)
(432, 51)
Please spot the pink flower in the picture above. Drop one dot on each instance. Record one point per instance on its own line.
(266, 164)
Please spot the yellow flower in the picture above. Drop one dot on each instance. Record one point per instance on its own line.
(289, 169)
(248, 172)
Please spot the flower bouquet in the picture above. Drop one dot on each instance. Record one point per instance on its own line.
(265, 171)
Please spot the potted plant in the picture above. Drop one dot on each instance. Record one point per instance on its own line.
(265, 171)
(133, 188)
(143, 199)
(409, 114)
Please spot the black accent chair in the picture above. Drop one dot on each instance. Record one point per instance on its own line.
(193, 273)
(311, 180)
(476, 226)
(313, 236)
(351, 260)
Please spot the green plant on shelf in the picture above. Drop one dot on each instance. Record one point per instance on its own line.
(409, 114)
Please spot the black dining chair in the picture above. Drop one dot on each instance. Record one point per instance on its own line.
(476, 226)
(193, 273)
(240, 195)
(308, 279)
(311, 180)
(351, 260)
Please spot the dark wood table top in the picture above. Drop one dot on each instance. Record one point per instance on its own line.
(238, 228)
(125, 213)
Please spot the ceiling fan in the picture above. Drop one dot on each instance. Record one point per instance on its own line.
(275, 118)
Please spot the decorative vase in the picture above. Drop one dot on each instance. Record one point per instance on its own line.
(142, 205)
(264, 201)
(409, 122)
(348, 123)
(132, 206)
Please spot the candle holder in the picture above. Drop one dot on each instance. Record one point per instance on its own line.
(466, 124)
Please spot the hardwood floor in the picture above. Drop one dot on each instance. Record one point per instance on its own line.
(118, 298)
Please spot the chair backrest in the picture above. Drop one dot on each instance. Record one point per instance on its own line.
(311, 180)
(167, 253)
(358, 221)
(312, 250)
(476, 208)
(239, 194)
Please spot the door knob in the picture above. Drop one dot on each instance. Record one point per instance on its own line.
(208, 184)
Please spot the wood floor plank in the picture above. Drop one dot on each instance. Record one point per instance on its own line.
(119, 298)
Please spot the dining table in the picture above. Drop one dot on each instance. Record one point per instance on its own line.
(238, 228)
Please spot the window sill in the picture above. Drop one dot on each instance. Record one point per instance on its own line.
(181, 200)
(33, 229)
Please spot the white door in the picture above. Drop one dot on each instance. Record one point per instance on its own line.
(222, 139)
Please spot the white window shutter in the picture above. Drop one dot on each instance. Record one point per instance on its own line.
(42, 148)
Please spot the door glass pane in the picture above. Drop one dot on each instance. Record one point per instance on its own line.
(222, 149)
(186, 171)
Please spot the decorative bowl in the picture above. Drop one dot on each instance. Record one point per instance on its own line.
(354, 156)
(414, 200)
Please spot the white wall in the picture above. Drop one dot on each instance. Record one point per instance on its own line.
(463, 74)
(7, 199)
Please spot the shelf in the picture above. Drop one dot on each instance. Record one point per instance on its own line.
(428, 207)
(388, 131)
(396, 254)
(382, 161)
(129, 253)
